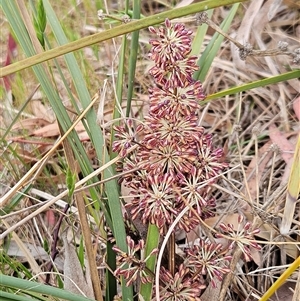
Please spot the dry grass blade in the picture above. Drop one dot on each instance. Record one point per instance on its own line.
(281, 280)
(33, 264)
(86, 232)
(297, 290)
(34, 171)
(58, 197)
(292, 192)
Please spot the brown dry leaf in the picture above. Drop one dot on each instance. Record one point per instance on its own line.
(41, 111)
(212, 293)
(37, 252)
(226, 219)
(285, 146)
(52, 130)
(30, 124)
(296, 107)
(287, 153)
(256, 256)
(211, 119)
(74, 279)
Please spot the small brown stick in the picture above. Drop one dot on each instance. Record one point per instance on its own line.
(227, 281)
(54, 251)
(86, 232)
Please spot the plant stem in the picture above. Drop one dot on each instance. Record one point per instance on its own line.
(151, 243)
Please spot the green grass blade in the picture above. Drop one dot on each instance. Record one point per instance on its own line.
(114, 32)
(256, 84)
(134, 46)
(30, 286)
(15, 201)
(5, 296)
(83, 95)
(111, 287)
(11, 11)
(214, 45)
(17, 25)
(93, 129)
(111, 187)
(13, 297)
(199, 37)
(151, 244)
(119, 91)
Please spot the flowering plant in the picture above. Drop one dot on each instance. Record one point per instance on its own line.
(175, 157)
(174, 165)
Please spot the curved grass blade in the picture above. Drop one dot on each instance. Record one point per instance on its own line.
(152, 242)
(5, 296)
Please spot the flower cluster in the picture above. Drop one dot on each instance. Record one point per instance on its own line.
(176, 160)
(170, 169)
(208, 259)
(129, 265)
(242, 237)
(181, 286)
(205, 262)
